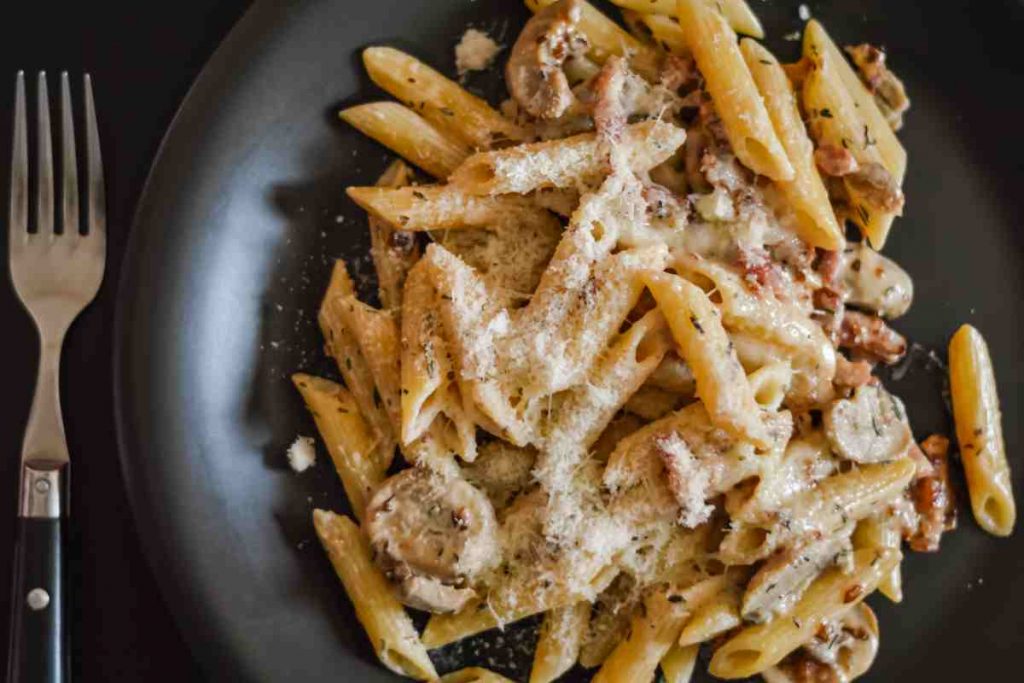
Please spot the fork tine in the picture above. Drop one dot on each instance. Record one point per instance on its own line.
(94, 166)
(19, 165)
(69, 168)
(44, 189)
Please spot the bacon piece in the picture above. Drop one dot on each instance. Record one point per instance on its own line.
(801, 667)
(761, 272)
(890, 95)
(835, 161)
(852, 374)
(933, 497)
(869, 337)
(830, 265)
(678, 72)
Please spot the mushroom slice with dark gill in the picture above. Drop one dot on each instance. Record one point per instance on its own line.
(534, 71)
(869, 427)
(432, 536)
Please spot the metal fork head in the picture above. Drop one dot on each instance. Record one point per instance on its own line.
(56, 274)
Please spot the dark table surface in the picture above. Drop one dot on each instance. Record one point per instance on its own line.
(142, 57)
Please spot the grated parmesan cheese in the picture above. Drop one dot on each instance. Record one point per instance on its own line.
(301, 454)
(475, 51)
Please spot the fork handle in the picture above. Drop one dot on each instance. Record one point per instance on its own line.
(38, 646)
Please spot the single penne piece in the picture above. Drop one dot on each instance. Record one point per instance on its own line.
(736, 12)
(393, 251)
(889, 147)
(566, 162)
(447, 207)
(770, 384)
(718, 615)
(732, 90)
(702, 342)
(806, 194)
(341, 344)
(665, 31)
(388, 626)
(424, 362)
(442, 629)
(882, 533)
(409, 135)
(558, 645)
(755, 648)
(440, 100)
(379, 342)
(679, 662)
(835, 121)
(346, 436)
(606, 38)
(474, 674)
(653, 631)
(979, 432)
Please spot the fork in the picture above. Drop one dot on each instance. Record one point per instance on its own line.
(55, 275)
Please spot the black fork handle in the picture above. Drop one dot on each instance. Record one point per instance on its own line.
(38, 650)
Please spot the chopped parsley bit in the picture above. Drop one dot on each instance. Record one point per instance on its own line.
(696, 324)
(766, 61)
(825, 113)
(863, 213)
(868, 140)
(418, 195)
(446, 111)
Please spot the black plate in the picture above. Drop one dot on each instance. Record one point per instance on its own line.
(244, 211)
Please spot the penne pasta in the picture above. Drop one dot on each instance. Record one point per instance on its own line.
(979, 432)
(341, 344)
(447, 207)
(843, 126)
(732, 90)
(679, 662)
(439, 100)
(736, 12)
(653, 632)
(558, 645)
(394, 252)
(806, 192)
(389, 628)
(474, 674)
(719, 614)
(702, 342)
(409, 135)
(882, 534)
(889, 147)
(346, 436)
(564, 163)
(755, 648)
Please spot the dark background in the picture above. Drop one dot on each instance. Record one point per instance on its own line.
(142, 56)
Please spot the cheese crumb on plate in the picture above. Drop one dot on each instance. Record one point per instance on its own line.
(475, 51)
(302, 454)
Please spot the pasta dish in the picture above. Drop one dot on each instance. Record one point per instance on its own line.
(625, 354)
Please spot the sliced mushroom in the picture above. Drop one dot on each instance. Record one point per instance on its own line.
(501, 470)
(534, 70)
(875, 282)
(432, 536)
(869, 427)
(780, 582)
(876, 186)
